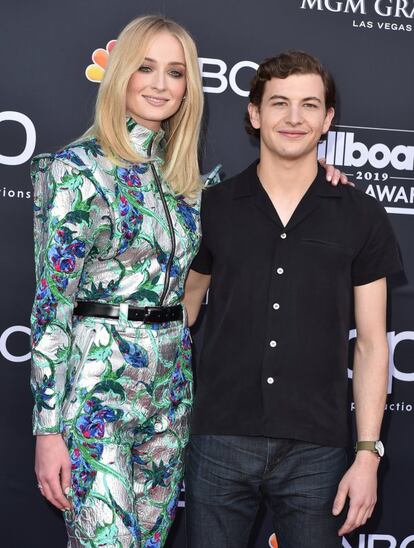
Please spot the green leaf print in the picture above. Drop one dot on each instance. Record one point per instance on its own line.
(62, 353)
(106, 534)
(158, 474)
(72, 181)
(148, 294)
(110, 386)
(100, 353)
(77, 217)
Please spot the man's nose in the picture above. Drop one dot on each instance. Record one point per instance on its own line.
(294, 115)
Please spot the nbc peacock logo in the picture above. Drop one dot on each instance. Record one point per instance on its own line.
(95, 72)
(273, 541)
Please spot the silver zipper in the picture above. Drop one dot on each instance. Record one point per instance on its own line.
(170, 226)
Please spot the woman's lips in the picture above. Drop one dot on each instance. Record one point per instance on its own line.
(155, 101)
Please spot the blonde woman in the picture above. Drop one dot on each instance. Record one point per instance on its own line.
(116, 229)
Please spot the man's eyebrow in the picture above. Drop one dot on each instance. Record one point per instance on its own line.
(172, 62)
(311, 98)
(275, 96)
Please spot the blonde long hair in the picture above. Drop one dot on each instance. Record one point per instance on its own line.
(182, 130)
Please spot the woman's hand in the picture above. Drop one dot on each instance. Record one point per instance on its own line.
(53, 469)
(333, 175)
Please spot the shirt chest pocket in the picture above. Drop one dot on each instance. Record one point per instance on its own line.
(324, 256)
(328, 244)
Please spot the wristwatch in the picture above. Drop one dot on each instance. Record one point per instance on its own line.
(374, 446)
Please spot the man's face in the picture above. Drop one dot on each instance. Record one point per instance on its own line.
(292, 116)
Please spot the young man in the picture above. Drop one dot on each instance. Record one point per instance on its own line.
(288, 256)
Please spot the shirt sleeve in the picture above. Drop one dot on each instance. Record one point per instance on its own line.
(64, 235)
(203, 261)
(379, 255)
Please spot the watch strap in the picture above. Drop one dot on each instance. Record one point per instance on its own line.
(369, 446)
(365, 446)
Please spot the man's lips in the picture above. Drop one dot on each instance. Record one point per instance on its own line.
(155, 101)
(292, 134)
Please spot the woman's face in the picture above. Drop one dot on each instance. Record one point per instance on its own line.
(156, 89)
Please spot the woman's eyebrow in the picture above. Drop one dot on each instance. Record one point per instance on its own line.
(171, 63)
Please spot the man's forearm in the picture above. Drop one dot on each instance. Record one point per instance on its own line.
(370, 386)
(370, 390)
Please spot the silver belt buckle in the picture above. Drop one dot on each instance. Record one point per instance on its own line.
(153, 314)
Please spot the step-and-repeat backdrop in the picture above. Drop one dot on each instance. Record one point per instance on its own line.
(53, 55)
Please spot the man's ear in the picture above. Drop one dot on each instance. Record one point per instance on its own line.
(254, 115)
(330, 113)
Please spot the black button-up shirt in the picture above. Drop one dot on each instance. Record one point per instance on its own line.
(275, 351)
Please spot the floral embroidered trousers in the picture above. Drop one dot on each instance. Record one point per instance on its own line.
(125, 412)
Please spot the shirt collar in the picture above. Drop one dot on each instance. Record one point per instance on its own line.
(248, 184)
(146, 142)
(248, 181)
(321, 187)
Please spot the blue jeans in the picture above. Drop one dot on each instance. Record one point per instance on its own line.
(227, 477)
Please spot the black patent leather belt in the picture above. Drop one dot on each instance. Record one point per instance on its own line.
(147, 314)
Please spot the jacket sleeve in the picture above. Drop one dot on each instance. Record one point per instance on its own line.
(64, 233)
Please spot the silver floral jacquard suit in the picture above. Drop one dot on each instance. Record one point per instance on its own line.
(119, 391)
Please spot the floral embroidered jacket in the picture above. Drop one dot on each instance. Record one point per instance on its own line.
(103, 233)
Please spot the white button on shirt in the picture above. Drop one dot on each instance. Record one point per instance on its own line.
(270, 380)
(273, 343)
(283, 235)
(276, 306)
(280, 270)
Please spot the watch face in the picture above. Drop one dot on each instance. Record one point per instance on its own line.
(379, 447)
